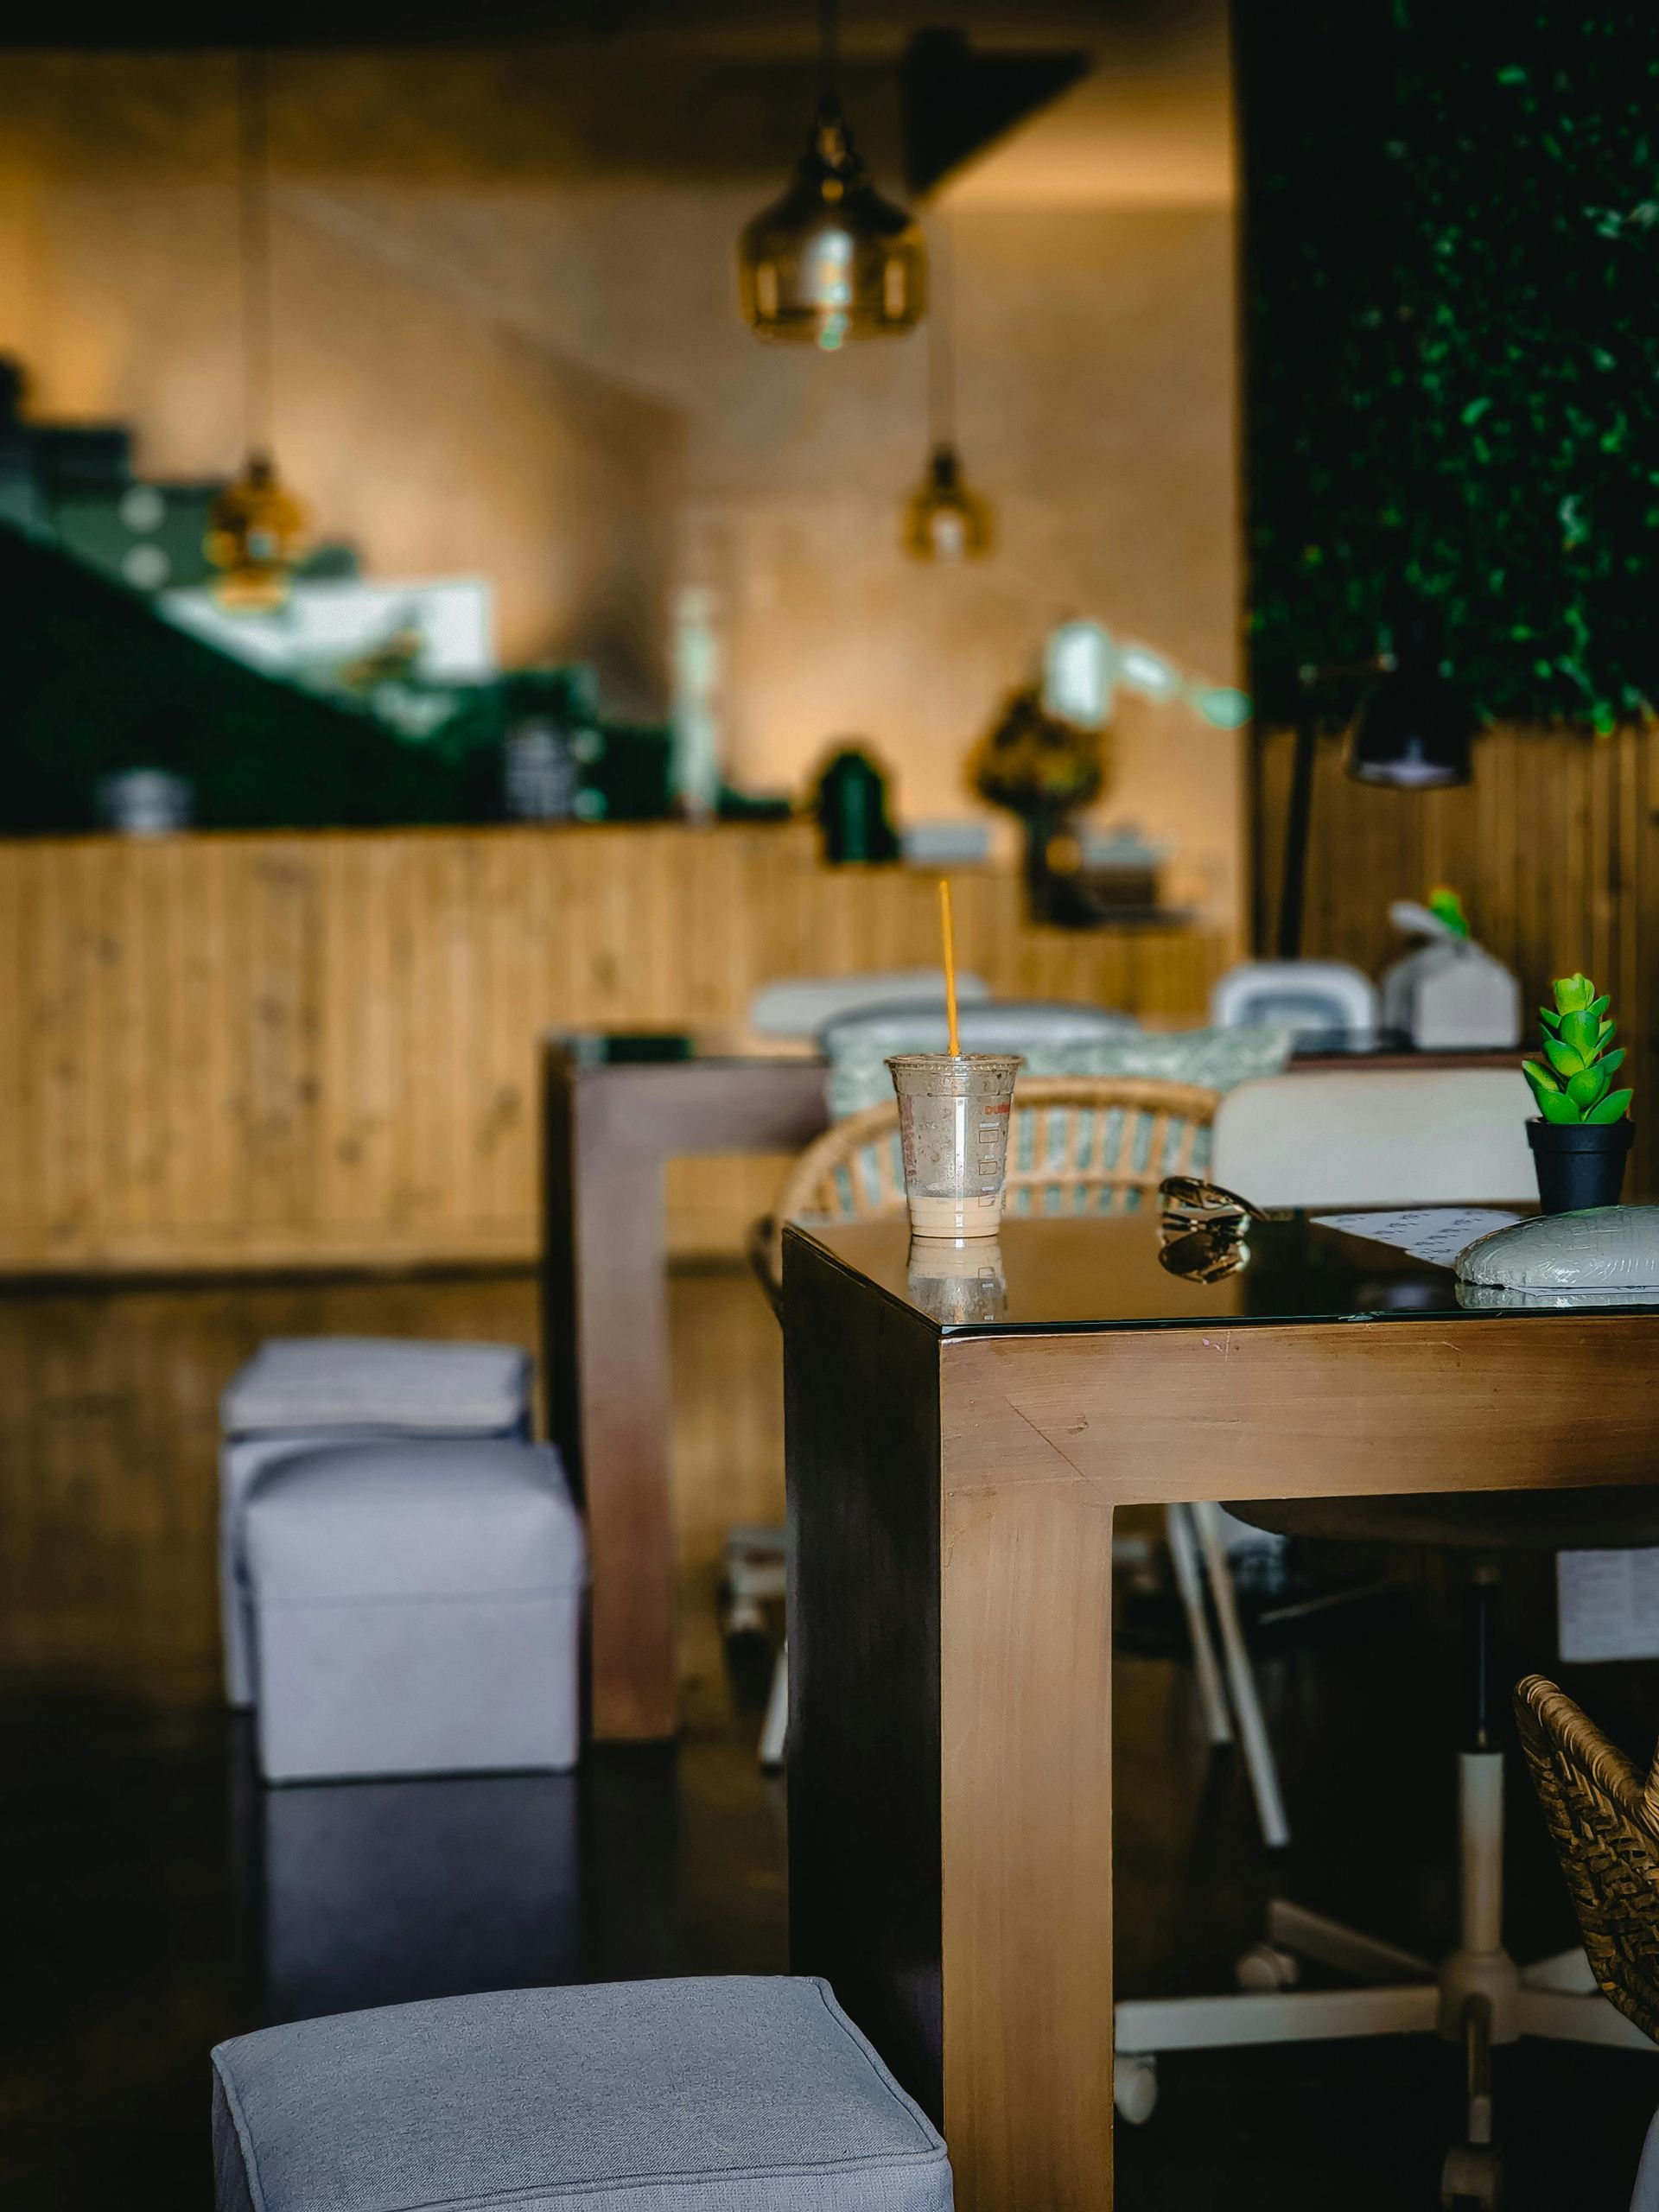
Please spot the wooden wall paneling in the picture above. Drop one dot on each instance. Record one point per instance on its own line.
(259, 1050)
(1551, 845)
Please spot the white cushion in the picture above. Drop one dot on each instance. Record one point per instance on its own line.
(385, 1382)
(415, 1518)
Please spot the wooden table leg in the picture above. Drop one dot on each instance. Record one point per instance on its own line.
(1026, 1743)
(606, 1352)
(951, 1867)
(950, 1748)
(609, 1130)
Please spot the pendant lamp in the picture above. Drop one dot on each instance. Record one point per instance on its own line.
(832, 260)
(945, 520)
(257, 529)
(1413, 732)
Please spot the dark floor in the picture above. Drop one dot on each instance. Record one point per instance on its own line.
(155, 1899)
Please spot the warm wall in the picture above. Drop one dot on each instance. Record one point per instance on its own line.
(508, 343)
(442, 440)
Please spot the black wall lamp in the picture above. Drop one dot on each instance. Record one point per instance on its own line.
(1412, 733)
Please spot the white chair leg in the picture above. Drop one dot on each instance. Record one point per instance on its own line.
(774, 1732)
(1241, 1683)
(1189, 1580)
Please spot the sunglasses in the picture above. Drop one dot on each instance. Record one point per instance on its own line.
(1202, 1229)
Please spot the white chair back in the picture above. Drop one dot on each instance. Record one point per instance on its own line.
(800, 1005)
(1316, 995)
(1433, 1137)
(990, 1026)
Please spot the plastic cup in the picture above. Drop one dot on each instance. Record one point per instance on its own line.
(953, 1117)
(958, 1279)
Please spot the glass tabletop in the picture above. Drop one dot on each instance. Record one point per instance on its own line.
(1058, 1274)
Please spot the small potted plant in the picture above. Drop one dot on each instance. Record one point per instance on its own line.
(1044, 770)
(1582, 1132)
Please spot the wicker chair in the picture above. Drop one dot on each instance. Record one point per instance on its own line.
(1078, 1145)
(1603, 1818)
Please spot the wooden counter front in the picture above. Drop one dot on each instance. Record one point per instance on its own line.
(253, 1051)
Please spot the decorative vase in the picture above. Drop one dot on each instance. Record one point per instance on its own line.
(852, 810)
(1578, 1163)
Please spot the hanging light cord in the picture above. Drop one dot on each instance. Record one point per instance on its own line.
(941, 339)
(829, 49)
(253, 180)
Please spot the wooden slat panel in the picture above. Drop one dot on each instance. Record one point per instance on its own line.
(1551, 846)
(291, 1050)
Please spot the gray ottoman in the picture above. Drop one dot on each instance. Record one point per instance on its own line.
(739, 2095)
(416, 1609)
(299, 1392)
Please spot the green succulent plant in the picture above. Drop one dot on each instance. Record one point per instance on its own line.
(1574, 1087)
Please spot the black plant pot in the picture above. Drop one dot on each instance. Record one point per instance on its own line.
(1578, 1163)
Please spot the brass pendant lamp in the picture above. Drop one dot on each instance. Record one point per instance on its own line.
(257, 530)
(945, 519)
(832, 261)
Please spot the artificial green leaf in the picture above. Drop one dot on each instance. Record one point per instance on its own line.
(1578, 1030)
(1588, 1088)
(1574, 992)
(1562, 1057)
(1613, 1108)
(1606, 1034)
(1612, 1062)
(1601, 1006)
(1539, 1076)
(1551, 1020)
(1556, 1106)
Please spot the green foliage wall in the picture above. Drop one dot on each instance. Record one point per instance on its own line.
(1452, 330)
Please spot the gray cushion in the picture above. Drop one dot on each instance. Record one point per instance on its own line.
(424, 1517)
(397, 1382)
(731, 2095)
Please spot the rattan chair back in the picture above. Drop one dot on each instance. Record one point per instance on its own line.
(1077, 1145)
(1603, 1818)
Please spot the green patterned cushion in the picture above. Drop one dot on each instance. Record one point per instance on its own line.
(1218, 1058)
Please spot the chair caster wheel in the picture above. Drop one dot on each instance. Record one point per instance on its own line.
(1266, 1966)
(1471, 2176)
(1134, 2088)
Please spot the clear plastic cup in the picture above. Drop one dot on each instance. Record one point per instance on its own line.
(953, 1117)
(958, 1279)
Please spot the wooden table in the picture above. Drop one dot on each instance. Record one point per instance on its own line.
(616, 1106)
(610, 1124)
(951, 1494)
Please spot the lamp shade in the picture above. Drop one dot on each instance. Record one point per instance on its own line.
(256, 533)
(1413, 732)
(832, 260)
(945, 520)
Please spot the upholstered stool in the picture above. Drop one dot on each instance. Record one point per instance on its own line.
(297, 1392)
(739, 2095)
(415, 1608)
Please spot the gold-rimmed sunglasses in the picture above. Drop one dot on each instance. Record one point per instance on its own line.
(1204, 1228)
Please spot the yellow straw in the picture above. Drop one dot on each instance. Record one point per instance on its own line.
(949, 965)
